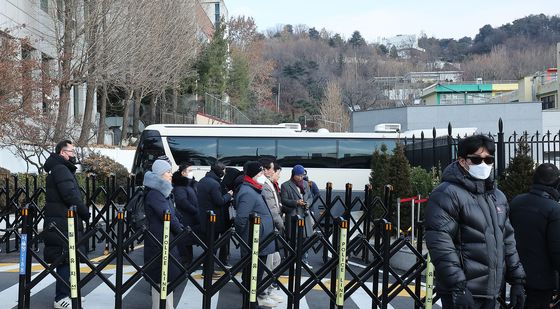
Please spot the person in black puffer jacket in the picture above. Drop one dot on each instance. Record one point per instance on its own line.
(468, 233)
(184, 190)
(62, 191)
(535, 217)
(210, 197)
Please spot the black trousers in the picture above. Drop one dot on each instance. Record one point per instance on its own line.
(479, 303)
(538, 299)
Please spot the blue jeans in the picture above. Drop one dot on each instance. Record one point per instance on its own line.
(62, 290)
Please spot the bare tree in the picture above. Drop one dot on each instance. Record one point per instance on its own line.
(150, 48)
(333, 114)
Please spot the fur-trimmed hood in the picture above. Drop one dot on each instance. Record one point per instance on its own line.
(155, 182)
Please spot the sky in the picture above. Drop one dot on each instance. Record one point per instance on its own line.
(386, 18)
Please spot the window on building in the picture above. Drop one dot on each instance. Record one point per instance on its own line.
(217, 14)
(45, 5)
(548, 102)
(27, 76)
(76, 89)
(451, 98)
(46, 87)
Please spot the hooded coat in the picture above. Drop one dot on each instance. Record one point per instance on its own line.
(469, 235)
(62, 191)
(157, 201)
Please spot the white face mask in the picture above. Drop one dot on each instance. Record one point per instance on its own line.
(481, 171)
(261, 179)
(190, 175)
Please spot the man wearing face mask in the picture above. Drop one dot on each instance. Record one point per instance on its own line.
(536, 218)
(468, 234)
(250, 201)
(62, 191)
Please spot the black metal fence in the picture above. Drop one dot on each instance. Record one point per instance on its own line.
(429, 152)
(338, 235)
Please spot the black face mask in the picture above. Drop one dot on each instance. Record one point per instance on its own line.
(220, 173)
(73, 160)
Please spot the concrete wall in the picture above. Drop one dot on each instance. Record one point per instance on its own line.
(551, 121)
(516, 117)
(366, 121)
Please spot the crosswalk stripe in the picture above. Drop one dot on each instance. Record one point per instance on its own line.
(9, 296)
(191, 298)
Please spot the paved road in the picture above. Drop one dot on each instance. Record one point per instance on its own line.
(98, 295)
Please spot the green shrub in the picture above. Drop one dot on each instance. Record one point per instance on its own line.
(103, 167)
(422, 181)
(379, 175)
(518, 176)
(400, 179)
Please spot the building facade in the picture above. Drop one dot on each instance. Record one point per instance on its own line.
(517, 117)
(443, 93)
(32, 21)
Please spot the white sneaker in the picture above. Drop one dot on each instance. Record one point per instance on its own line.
(266, 301)
(64, 303)
(277, 297)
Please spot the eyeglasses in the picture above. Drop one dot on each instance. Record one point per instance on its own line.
(476, 160)
(69, 150)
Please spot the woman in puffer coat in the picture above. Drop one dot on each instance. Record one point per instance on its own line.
(158, 200)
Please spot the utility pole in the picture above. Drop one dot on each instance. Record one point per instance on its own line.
(278, 99)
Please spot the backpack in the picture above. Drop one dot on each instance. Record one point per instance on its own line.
(136, 215)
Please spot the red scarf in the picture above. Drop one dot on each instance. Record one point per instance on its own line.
(252, 182)
(276, 186)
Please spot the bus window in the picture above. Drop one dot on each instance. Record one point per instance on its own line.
(237, 151)
(199, 150)
(149, 148)
(356, 153)
(307, 152)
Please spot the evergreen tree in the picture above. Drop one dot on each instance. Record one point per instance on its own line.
(314, 34)
(393, 52)
(379, 177)
(212, 66)
(399, 178)
(357, 40)
(379, 166)
(518, 176)
(239, 81)
(336, 41)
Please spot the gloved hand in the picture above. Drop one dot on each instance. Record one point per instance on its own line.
(462, 299)
(517, 296)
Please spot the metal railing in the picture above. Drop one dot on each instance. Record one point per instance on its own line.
(222, 110)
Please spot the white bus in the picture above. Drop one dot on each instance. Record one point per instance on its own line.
(336, 157)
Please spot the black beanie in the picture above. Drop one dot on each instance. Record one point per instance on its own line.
(547, 174)
(252, 168)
